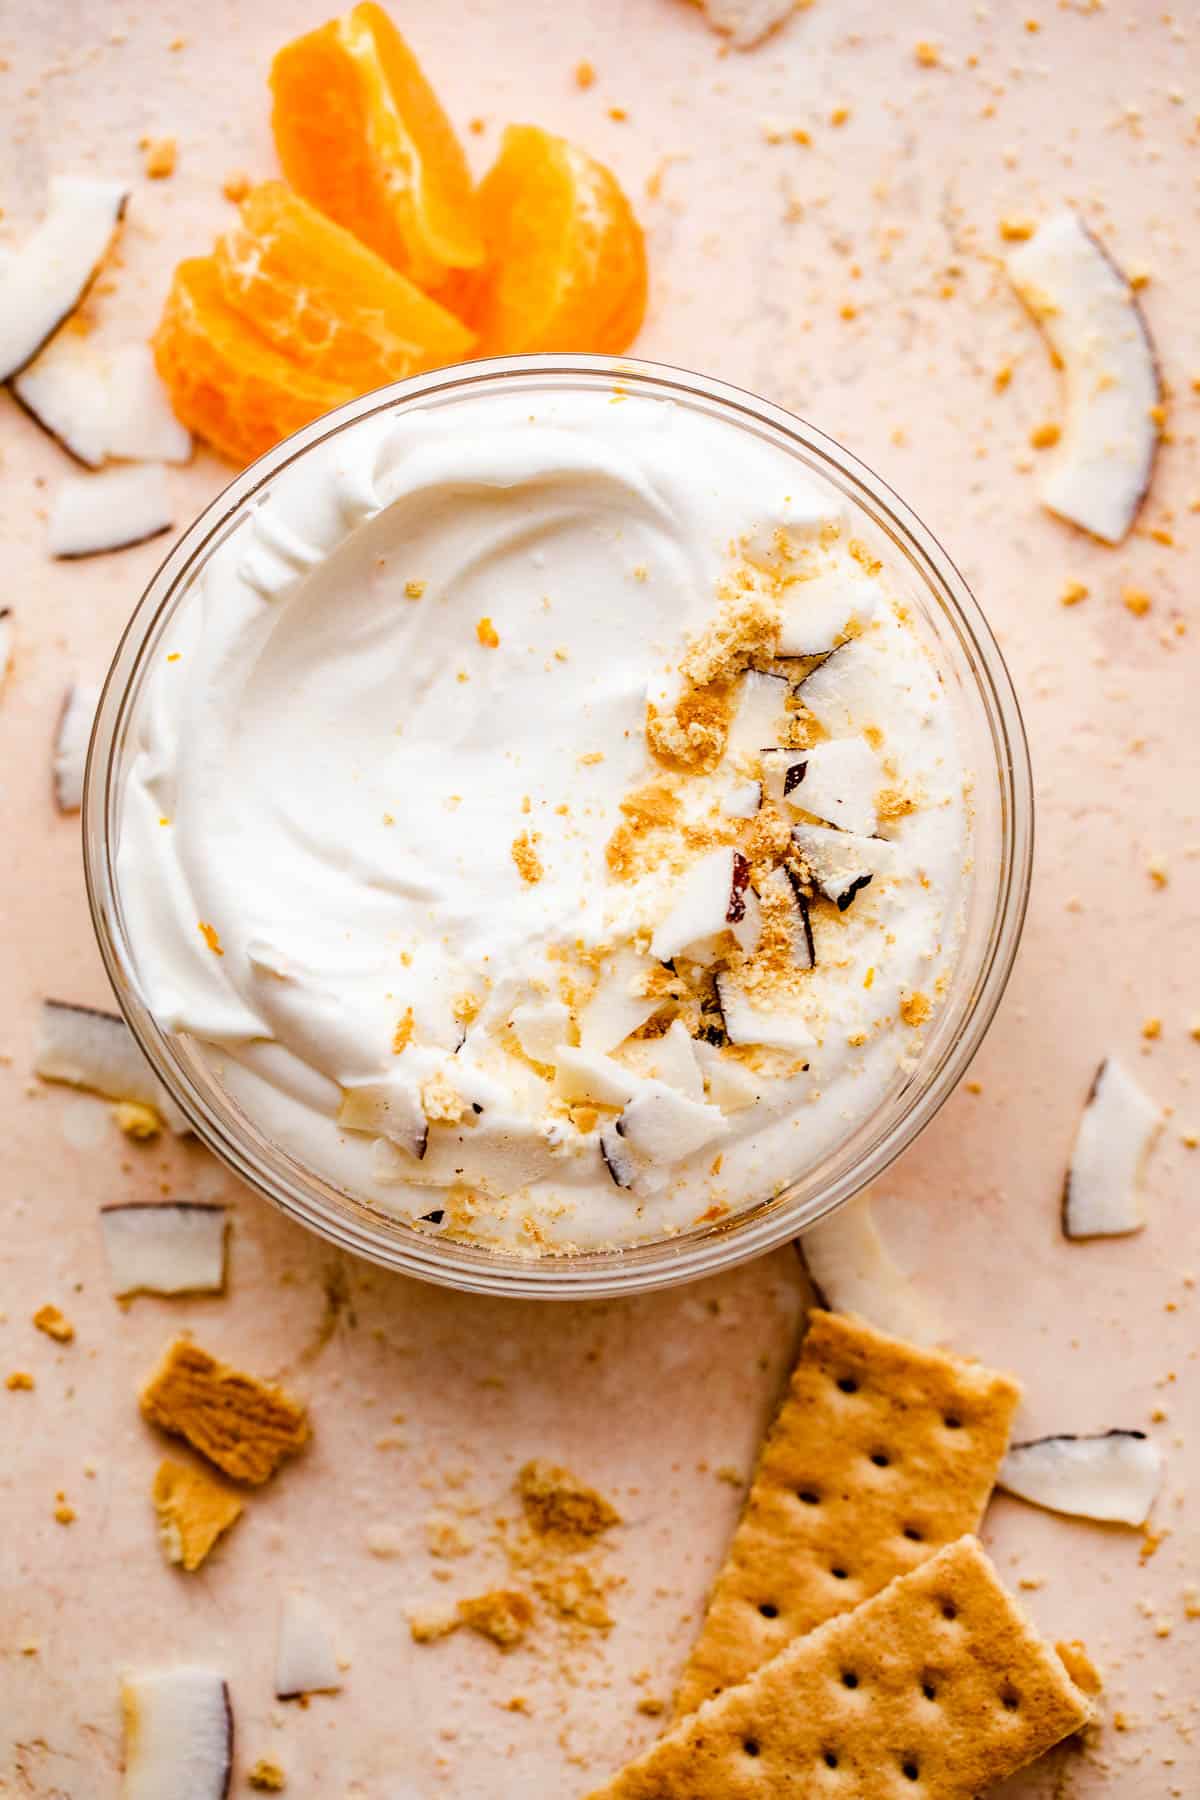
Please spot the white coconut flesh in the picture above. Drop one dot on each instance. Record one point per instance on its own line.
(91, 515)
(842, 863)
(837, 781)
(87, 1048)
(71, 744)
(169, 1247)
(1100, 470)
(761, 714)
(709, 899)
(854, 1272)
(178, 1736)
(46, 278)
(746, 1022)
(821, 612)
(620, 1005)
(665, 1126)
(1102, 1194)
(1114, 1477)
(305, 1656)
(102, 404)
(390, 1109)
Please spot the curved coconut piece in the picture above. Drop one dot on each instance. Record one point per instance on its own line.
(100, 404)
(178, 1736)
(86, 1048)
(71, 744)
(1114, 1477)
(1090, 315)
(305, 1658)
(853, 1272)
(93, 514)
(1102, 1194)
(45, 279)
(165, 1247)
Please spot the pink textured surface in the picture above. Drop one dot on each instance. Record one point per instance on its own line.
(755, 248)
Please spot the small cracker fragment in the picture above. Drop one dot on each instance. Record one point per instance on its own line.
(159, 156)
(939, 1682)
(880, 1454)
(1080, 1667)
(267, 1777)
(574, 1594)
(137, 1121)
(246, 1426)
(504, 1615)
(20, 1381)
(557, 1504)
(193, 1510)
(55, 1324)
(427, 1627)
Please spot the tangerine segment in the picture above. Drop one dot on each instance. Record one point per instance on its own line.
(361, 134)
(228, 384)
(566, 267)
(322, 297)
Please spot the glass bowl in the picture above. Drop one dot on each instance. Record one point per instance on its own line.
(997, 885)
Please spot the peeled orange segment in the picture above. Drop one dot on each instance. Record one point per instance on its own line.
(322, 297)
(225, 381)
(361, 134)
(566, 260)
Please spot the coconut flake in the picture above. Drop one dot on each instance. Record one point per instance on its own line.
(168, 1247)
(747, 22)
(1102, 1192)
(45, 279)
(619, 1159)
(672, 1059)
(390, 1109)
(587, 1075)
(729, 1083)
(101, 404)
(540, 1026)
(842, 863)
(617, 1007)
(820, 613)
(743, 801)
(665, 1126)
(1101, 470)
(748, 1023)
(1115, 1476)
(71, 744)
(838, 781)
(783, 890)
(305, 1657)
(840, 693)
(853, 1271)
(761, 713)
(178, 1736)
(91, 515)
(707, 900)
(87, 1048)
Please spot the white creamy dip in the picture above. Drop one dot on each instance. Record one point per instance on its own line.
(396, 852)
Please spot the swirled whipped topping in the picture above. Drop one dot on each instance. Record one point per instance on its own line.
(547, 819)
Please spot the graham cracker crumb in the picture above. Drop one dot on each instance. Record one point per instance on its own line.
(54, 1323)
(159, 157)
(504, 1615)
(414, 590)
(487, 634)
(1079, 1666)
(1156, 868)
(20, 1381)
(448, 1537)
(65, 1514)
(402, 1036)
(442, 1103)
(585, 74)
(915, 1008)
(1002, 377)
(894, 803)
(529, 863)
(928, 56)
(652, 1706)
(193, 1510)
(574, 1594)
(1044, 437)
(1073, 593)
(557, 1504)
(1015, 231)
(746, 631)
(236, 186)
(137, 1121)
(1136, 600)
(209, 934)
(246, 1426)
(1152, 1028)
(267, 1777)
(466, 1007)
(427, 1627)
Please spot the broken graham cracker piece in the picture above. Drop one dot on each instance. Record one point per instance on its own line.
(504, 1615)
(880, 1454)
(193, 1510)
(938, 1686)
(558, 1505)
(246, 1426)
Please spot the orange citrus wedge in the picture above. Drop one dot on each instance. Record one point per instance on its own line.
(361, 134)
(226, 383)
(566, 260)
(321, 297)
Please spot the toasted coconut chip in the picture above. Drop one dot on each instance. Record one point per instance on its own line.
(7, 635)
(45, 279)
(1102, 467)
(853, 1272)
(747, 22)
(588, 1075)
(305, 1658)
(169, 1247)
(748, 1023)
(1115, 1477)
(665, 1126)
(92, 515)
(178, 1736)
(101, 404)
(842, 863)
(1102, 1192)
(71, 744)
(818, 613)
(87, 1048)
(618, 1006)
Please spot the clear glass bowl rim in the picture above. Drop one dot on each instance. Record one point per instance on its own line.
(668, 1261)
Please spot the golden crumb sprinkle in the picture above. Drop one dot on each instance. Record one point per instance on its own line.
(413, 590)
(585, 74)
(504, 1615)
(402, 1036)
(839, 115)
(590, 757)
(894, 803)
(159, 156)
(928, 55)
(1158, 415)
(618, 113)
(20, 1381)
(137, 1120)
(529, 863)
(487, 634)
(441, 1101)
(1015, 231)
(65, 1514)
(557, 1504)
(915, 1008)
(466, 1007)
(1136, 600)
(584, 1118)
(575, 1595)
(209, 934)
(236, 186)
(1073, 593)
(267, 1777)
(1044, 437)
(477, 125)
(1152, 1028)
(1156, 868)
(1002, 377)
(54, 1323)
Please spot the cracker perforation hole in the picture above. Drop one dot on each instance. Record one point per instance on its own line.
(810, 1496)
(910, 1770)
(1010, 1700)
(849, 1678)
(751, 1746)
(952, 1422)
(929, 1688)
(840, 1574)
(880, 1458)
(914, 1534)
(768, 1609)
(847, 1384)
(831, 1761)
(949, 1608)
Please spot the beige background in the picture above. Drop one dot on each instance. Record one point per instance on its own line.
(755, 248)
